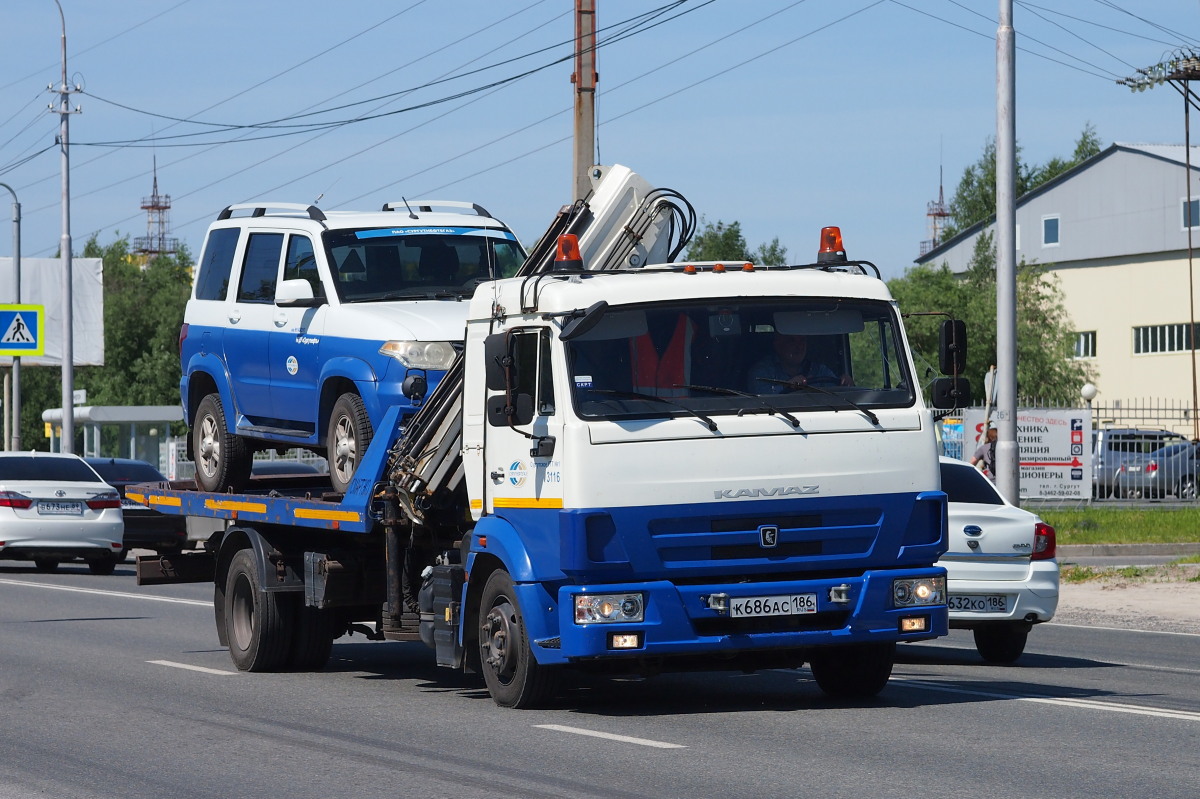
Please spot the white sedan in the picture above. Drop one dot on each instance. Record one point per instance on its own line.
(1001, 575)
(54, 507)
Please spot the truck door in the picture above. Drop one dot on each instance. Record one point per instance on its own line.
(524, 430)
(250, 322)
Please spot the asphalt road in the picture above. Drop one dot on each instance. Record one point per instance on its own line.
(110, 690)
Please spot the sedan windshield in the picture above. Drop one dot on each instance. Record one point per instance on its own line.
(26, 468)
(401, 263)
(779, 356)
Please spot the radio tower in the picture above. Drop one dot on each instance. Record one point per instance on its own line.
(156, 242)
(937, 214)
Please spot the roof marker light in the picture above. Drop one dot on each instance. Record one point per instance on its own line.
(718, 267)
(747, 267)
(568, 256)
(831, 250)
(690, 269)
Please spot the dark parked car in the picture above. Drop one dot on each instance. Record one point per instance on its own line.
(145, 528)
(1166, 470)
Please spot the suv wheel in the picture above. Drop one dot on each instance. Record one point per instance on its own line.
(349, 435)
(222, 460)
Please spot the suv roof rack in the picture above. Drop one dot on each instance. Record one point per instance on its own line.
(263, 209)
(427, 206)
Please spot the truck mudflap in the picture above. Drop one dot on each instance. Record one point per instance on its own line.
(683, 620)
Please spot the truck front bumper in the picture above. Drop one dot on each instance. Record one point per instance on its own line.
(688, 620)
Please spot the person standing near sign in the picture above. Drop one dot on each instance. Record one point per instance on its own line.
(984, 458)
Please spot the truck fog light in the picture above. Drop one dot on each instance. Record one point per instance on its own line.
(914, 624)
(917, 591)
(608, 608)
(625, 641)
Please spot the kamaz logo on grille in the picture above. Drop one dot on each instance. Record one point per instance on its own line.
(768, 536)
(777, 491)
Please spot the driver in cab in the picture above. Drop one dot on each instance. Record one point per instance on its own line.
(788, 368)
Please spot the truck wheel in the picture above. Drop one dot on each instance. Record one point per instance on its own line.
(347, 439)
(1001, 643)
(258, 624)
(513, 677)
(859, 671)
(222, 460)
(312, 637)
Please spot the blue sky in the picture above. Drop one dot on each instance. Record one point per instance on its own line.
(783, 115)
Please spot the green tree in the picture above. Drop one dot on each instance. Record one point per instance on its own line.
(1045, 340)
(975, 198)
(721, 242)
(143, 311)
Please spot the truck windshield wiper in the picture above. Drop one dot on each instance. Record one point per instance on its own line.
(439, 294)
(638, 395)
(771, 407)
(865, 411)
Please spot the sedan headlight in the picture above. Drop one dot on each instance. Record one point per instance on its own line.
(608, 608)
(420, 354)
(913, 592)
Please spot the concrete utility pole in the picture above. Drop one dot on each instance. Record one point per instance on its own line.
(1008, 460)
(584, 78)
(68, 354)
(13, 409)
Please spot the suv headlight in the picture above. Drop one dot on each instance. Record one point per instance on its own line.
(913, 592)
(602, 608)
(420, 354)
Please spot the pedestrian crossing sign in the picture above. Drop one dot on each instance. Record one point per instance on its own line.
(22, 330)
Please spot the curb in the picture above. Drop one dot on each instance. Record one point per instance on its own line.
(1117, 550)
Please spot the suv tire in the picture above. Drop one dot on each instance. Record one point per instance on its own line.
(223, 461)
(347, 439)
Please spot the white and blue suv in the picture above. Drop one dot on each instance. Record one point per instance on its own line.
(305, 326)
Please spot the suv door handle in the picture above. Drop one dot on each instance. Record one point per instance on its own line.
(280, 319)
(235, 316)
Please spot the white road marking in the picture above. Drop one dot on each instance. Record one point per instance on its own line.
(610, 736)
(121, 594)
(1088, 704)
(189, 667)
(1121, 629)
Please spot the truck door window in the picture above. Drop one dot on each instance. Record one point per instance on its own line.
(260, 268)
(530, 373)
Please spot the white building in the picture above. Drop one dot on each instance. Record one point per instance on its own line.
(1114, 230)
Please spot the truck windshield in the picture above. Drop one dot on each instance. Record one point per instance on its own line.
(740, 356)
(376, 265)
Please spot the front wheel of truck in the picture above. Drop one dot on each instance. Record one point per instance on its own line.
(858, 671)
(514, 678)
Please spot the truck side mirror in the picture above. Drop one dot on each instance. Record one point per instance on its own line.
(578, 325)
(496, 359)
(951, 392)
(952, 347)
(501, 414)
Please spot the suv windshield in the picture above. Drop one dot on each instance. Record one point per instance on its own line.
(740, 356)
(398, 263)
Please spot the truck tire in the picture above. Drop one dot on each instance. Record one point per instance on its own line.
(860, 671)
(513, 677)
(347, 439)
(312, 637)
(258, 624)
(223, 461)
(1001, 643)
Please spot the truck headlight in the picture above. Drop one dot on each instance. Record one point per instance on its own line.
(420, 354)
(608, 608)
(912, 592)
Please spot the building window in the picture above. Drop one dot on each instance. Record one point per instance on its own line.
(1163, 338)
(1049, 231)
(1085, 344)
(1191, 212)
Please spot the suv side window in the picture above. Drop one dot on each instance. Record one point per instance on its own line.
(302, 264)
(212, 282)
(260, 269)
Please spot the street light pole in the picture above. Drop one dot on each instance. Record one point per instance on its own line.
(1007, 458)
(68, 355)
(15, 412)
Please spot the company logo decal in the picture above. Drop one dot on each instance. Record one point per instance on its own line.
(293, 365)
(517, 473)
(768, 536)
(777, 491)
